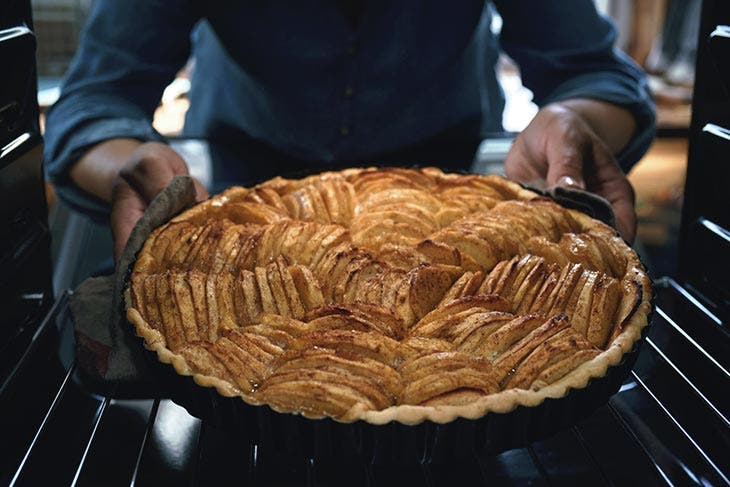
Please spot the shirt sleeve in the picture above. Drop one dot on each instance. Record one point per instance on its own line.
(565, 49)
(130, 50)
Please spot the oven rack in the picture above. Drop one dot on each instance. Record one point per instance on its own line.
(668, 425)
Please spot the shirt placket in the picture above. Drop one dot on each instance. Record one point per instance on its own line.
(348, 93)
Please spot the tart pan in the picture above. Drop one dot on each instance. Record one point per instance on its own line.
(292, 436)
(297, 437)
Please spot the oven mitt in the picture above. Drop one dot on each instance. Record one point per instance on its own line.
(591, 204)
(109, 355)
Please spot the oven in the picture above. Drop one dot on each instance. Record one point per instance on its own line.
(669, 424)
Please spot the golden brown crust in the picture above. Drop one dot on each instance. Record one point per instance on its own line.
(388, 295)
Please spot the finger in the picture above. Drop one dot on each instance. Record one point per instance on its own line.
(127, 208)
(567, 156)
(608, 180)
(625, 220)
(152, 167)
(520, 165)
(200, 192)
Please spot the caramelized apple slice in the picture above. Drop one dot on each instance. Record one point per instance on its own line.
(400, 257)
(631, 297)
(203, 251)
(307, 286)
(580, 248)
(503, 338)
(561, 345)
(291, 326)
(472, 331)
(307, 204)
(202, 361)
(363, 316)
(427, 286)
(500, 277)
(171, 322)
(258, 346)
(339, 198)
(322, 243)
(245, 258)
(561, 368)
(429, 388)
(254, 213)
(479, 250)
(378, 233)
(276, 336)
(247, 371)
(321, 392)
(444, 326)
(396, 196)
(278, 292)
(386, 377)
(370, 345)
(268, 303)
(525, 296)
(361, 280)
(291, 293)
(481, 302)
(197, 282)
(266, 196)
(571, 284)
(169, 241)
(509, 360)
(600, 320)
(250, 297)
(466, 285)
(184, 303)
(136, 288)
(225, 289)
(612, 249)
(178, 251)
(548, 292)
(417, 345)
(429, 363)
(441, 253)
(550, 251)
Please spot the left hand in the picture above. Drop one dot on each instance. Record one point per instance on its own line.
(559, 147)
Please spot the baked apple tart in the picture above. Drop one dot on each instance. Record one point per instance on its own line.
(388, 295)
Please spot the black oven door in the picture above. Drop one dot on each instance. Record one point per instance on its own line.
(25, 267)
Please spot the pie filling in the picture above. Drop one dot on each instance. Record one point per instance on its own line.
(353, 292)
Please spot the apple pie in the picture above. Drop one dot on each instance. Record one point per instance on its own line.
(388, 295)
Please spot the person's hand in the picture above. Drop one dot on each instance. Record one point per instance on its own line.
(559, 147)
(147, 172)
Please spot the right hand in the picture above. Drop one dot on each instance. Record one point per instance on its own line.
(148, 171)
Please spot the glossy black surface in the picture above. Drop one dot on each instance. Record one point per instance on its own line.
(25, 267)
(18, 105)
(704, 239)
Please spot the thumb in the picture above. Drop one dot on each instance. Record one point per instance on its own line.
(568, 153)
(565, 166)
(200, 192)
(127, 207)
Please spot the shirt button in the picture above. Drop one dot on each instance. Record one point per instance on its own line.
(344, 131)
(348, 92)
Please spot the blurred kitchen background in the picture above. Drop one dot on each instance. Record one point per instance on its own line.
(660, 35)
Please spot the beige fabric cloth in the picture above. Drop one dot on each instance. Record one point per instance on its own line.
(107, 351)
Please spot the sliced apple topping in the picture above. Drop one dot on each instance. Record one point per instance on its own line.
(357, 290)
(443, 378)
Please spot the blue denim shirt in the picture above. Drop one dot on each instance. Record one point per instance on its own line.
(300, 77)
